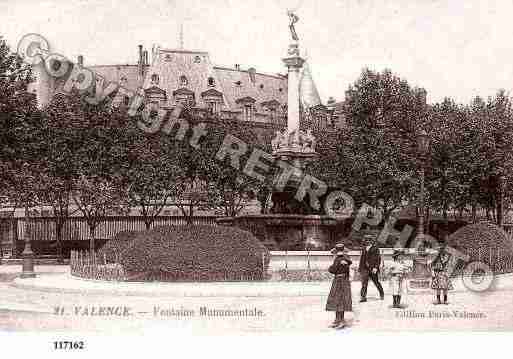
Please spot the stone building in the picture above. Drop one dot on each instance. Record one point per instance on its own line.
(190, 77)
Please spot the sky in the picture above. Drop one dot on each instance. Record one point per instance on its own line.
(455, 48)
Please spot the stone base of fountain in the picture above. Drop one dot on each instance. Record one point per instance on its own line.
(291, 231)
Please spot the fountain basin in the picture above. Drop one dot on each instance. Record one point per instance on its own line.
(292, 231)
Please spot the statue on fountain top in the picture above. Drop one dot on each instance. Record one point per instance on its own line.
(293, 20)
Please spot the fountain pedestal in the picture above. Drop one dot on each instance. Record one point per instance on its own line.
(421, 274)
(294, 146)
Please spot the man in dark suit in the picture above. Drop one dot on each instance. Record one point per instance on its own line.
(370, 261)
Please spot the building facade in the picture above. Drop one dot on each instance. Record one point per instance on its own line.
(189, 77)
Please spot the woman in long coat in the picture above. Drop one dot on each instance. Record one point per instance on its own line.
(339, 299)
(440, 280)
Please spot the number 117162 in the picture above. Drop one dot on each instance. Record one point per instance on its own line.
(68, 345)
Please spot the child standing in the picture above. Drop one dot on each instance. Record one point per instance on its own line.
(397, 271)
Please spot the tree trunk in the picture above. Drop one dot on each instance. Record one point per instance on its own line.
(499, 203)
(189, 218)
(92, 228)
(59, 224)
(446, 224)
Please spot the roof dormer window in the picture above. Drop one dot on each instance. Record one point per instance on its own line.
(211, 82)
(155, 79)
(183, 81)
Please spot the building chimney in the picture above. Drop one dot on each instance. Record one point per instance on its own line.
(140, 64)
(80, 60)
(331, 102)
(140, 54)
(252, 74)
(146, 62)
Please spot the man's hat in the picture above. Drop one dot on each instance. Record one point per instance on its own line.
(339, 249)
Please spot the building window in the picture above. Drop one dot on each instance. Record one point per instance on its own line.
(238, 83)
(272, 114)
(183, 81)
(261, 86)
(197, 59)
(126, 100)
(155, 79)
(211, 82)
(154, 109)
(213, 107)
(247, 113)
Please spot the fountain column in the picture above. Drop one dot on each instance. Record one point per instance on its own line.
(294, 64)
(292, 145)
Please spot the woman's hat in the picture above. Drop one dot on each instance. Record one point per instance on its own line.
(339, 249)
(397, 253)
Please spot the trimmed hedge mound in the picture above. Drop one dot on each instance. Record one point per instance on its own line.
(195, 253)
(114, 249)
(485, 242)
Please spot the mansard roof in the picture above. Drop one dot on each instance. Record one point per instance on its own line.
(125, 75)
(171, 65)
(237, 84)
(232, 83)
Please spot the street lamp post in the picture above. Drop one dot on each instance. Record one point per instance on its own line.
(421, 271)
(423, 149)
(28, 259)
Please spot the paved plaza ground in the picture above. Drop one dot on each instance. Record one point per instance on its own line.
(267, 307)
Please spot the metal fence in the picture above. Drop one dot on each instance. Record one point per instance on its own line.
(76, 228)
(84, 264)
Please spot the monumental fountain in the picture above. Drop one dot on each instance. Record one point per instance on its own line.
(292, 224)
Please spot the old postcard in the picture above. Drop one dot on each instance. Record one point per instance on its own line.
(226, 168)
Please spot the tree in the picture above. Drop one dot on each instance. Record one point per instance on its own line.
(377, 154)
(234, 189)
(17, 110)
(59, 141)
(149, 172)
(97, 184)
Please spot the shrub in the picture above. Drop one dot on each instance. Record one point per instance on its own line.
(195, 253)
(116, 247)
(484, 242)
